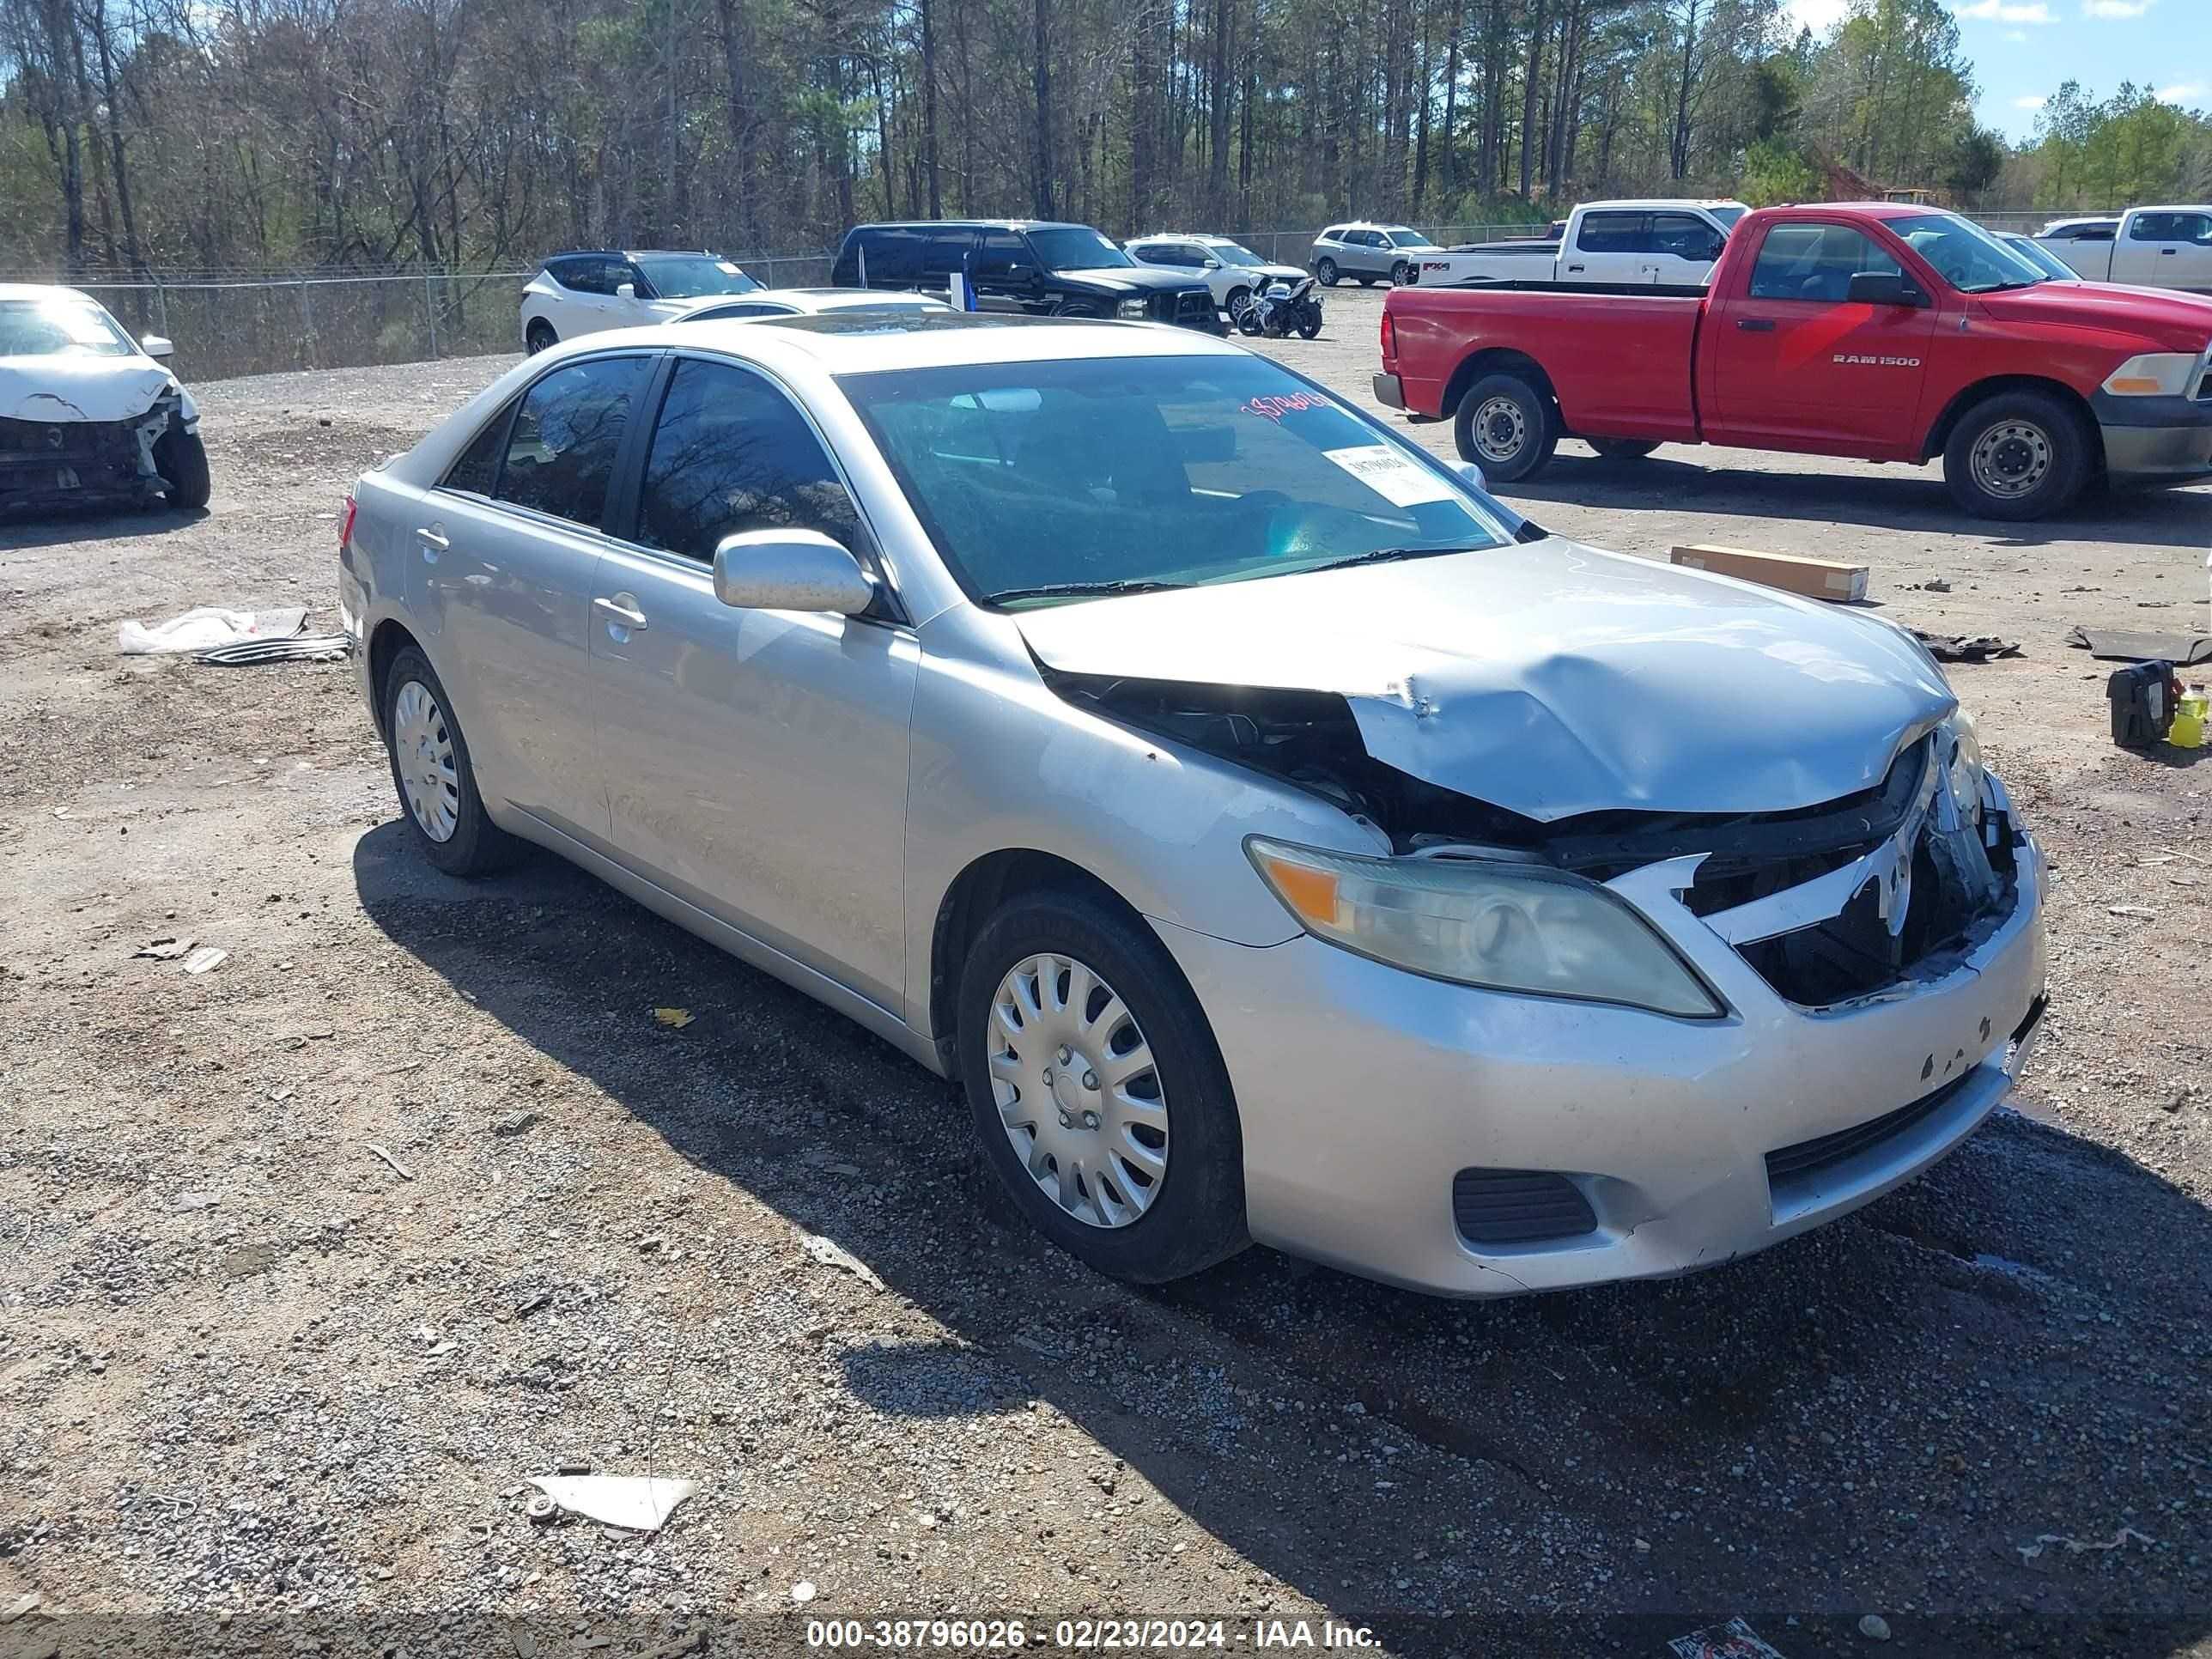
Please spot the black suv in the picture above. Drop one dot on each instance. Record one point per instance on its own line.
(1022, 265)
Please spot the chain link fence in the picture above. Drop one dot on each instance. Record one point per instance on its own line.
(247, 323)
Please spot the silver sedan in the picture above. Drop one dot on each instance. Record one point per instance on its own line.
(1277, 838)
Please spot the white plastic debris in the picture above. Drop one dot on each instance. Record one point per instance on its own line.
(638, 1502)
(207, 957)
(205, 627)
(831, 1253)
(802, 1592)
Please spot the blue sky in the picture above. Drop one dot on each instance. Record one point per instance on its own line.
(2022, 49)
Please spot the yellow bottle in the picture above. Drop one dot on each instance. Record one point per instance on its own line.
(2192, 712)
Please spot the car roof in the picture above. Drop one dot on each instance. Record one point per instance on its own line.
(971, 224)
(819, 298)
(1653, 204)
(633, 253)
(40, 291)
(852, 341)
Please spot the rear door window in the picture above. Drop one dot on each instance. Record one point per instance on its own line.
(892, 252)
(560, 454)
(731, 453)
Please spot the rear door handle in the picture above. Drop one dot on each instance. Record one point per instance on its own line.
(1755, 325)
(433, 538)
(621, 612)
(1573, 267)
(2167, 252)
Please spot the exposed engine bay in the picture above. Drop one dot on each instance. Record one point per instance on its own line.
(46, 464)
(1853, 899)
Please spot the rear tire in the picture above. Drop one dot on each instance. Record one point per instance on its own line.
(1506, 427)
(539, 336)
(1326, 273)
(1192, 1216)
(431, 769)
(1621, 449)
(2019, 455)
(182, 459)
(1309, 326)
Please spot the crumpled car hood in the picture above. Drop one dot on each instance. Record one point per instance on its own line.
(1548, 678)
(55, 389)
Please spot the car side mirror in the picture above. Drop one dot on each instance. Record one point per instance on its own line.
(1212, 265)
(626, 291)
(1876, 288)
(157, 345)
(790, 570)
(1472, 474)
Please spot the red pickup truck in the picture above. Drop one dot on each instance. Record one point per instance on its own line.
(1881, 330)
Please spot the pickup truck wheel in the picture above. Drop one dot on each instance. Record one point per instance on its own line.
(1326, 271)
(1505, 426)
(1621, 449)
(2018, 455)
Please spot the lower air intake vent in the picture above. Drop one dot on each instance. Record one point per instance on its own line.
(1518, 1207)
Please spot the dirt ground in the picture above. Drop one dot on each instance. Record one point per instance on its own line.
(259, 1387)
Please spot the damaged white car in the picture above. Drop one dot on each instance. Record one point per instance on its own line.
(87, 414)
(1278, 838)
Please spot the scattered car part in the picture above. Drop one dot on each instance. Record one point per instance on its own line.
(636, 1502)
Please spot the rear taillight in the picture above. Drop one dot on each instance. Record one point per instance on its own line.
(1389, 334)
(345, 524)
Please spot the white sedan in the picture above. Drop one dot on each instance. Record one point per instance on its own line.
(88, 413)
(803, 302)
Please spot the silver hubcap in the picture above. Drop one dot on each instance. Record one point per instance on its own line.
(1078, 1090)
(422, 749)
(1500, 429)
(2011, 459)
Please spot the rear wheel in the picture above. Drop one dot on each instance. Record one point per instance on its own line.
(1506, 427)
(2019, 455)
(1098, 1092)
(182, 459)
(1621, 449)
(430, 767)
(539, 336)
(1309, 325)
(1327, 272)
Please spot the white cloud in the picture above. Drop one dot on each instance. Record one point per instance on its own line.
(2182, 94)
(2029, 103)
(2016, 36)
(2017, 11)
(2115, 8)
(1818, 15)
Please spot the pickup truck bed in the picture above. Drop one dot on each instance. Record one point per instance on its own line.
(1826, 332)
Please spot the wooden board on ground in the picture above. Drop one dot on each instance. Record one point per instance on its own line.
(1816, 578)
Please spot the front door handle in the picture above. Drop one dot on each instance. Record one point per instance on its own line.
(621, 612)
(1755, 325)
(2167, 252)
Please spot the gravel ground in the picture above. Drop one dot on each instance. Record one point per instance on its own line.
(261, 1387)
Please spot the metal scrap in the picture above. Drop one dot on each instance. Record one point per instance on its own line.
(1967, 648)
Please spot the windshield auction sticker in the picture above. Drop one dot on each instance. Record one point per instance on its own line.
(1396, 478)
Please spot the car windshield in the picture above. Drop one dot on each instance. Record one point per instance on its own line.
(689, 276)
(1728, 215)
(1405, 238)
(1234, 254)
(1970, 258)
(1051, 482)
(1076, 247)
(61, 326)
(2042, 258)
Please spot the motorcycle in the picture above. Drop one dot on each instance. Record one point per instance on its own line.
(1282, 307)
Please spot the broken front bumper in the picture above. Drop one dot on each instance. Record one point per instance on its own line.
(1386, 1117)
(58, 464)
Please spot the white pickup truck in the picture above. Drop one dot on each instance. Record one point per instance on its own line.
(1651, 242)
(2144, 248)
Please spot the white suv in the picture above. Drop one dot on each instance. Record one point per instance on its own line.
(577, 294)
(1370, 252)
(1230, 271)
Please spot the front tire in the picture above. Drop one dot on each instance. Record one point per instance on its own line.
(1506, 427)
(1126, 1153)
(539, 336)
(431, 769)
(1327, 273)
(182, 460)
(2019, 455)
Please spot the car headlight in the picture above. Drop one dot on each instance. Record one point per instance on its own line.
(1131, 308)
(1960, 750)
(2154, 374)
(1474, 921)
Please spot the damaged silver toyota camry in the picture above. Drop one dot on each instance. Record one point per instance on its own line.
(1277, 837)
(87, 414)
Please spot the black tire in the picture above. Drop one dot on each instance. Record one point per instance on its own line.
(182, 459)
(1196, 1216)
(1310, 325)
(477, 846)
(1402, 275)
(1367, 282)
(1621, 449)
(1531, 424)
(1238, 299)
(2036, 454)
(539, 336)
(1248, 321)
(1326, 273)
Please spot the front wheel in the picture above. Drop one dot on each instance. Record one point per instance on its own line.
(1505, 426)
(1621, 449)
(2019, 455)
(1238, 299)
(1097, 1091)
(1327, 272)
(182, 459)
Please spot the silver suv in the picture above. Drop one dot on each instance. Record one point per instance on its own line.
(1370, 252)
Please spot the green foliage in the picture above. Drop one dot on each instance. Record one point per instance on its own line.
(1775, 173)
(2131, 147)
